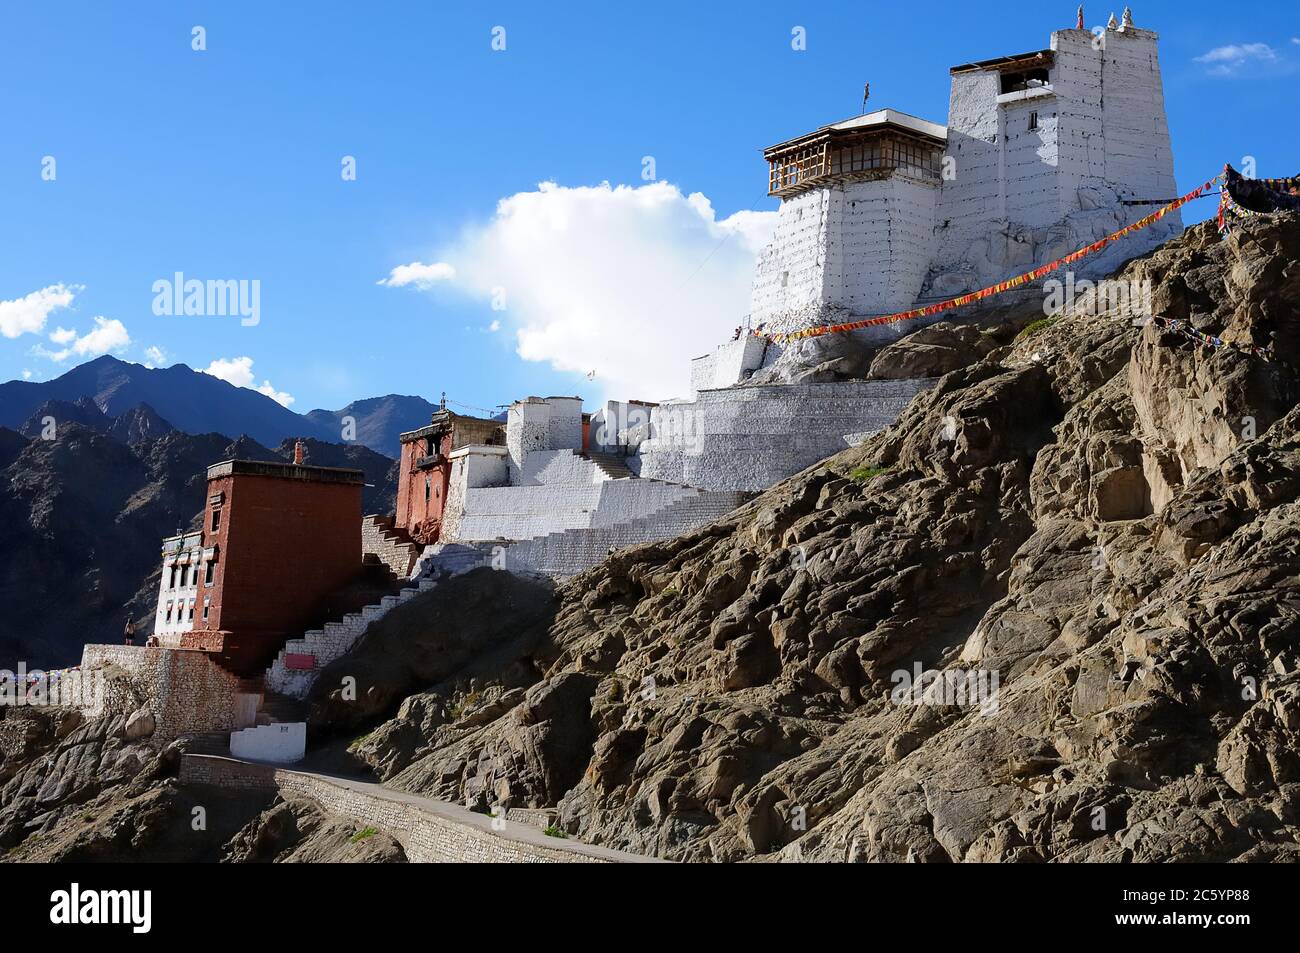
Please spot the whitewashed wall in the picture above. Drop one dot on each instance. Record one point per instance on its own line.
(860, 246)
(1023, 197)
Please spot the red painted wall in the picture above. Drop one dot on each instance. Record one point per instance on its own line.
(283, 546)
(422, 518)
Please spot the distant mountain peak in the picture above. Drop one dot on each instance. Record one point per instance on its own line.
(198, 403)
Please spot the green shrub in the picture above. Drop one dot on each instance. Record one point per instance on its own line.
(551, 830)
(1034, 326)
(863, 474)
(364, 834)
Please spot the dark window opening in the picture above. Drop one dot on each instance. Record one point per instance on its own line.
(1028, 79)
(216, 520)
(1033, 121)
(210, 573)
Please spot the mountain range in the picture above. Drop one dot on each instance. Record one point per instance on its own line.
(198, 403)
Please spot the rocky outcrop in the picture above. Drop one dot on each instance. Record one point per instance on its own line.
(298, 832)
(85, 790)
(932, 352)
(1049, 615)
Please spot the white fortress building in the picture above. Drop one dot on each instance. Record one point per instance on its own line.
(1044, 152)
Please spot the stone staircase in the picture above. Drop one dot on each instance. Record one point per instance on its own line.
(612, 465)
(391, 545)
(275, 713)
(332, 641)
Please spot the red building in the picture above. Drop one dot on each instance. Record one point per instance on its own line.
(425, 469)
(278, 540)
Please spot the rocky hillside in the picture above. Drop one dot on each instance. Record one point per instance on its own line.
(1093, 532)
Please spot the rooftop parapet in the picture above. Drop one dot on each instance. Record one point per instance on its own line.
(285, 471)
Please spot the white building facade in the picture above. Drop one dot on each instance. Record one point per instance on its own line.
(1044, 152)
(184, 558)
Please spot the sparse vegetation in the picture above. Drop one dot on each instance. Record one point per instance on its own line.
(364, 834)
(551, 830)
(863, 474)
(1035, 326)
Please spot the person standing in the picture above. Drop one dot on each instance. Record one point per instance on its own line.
(128, 634)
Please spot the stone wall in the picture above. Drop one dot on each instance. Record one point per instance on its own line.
(187, 692)
(524, 512)
(568, 553)
(747, 438)
(861, 246)
(429, 831)
(471, 467)
(559, 467)
(537, 423)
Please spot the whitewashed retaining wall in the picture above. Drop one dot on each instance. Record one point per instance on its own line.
(747, 438)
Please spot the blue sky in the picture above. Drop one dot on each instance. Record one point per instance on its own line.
(226, 163)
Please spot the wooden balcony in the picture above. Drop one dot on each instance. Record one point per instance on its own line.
(866, 147)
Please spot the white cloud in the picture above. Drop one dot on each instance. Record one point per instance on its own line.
(27, 375)
(494, 327)
(26, 315)
(154, 356)
(239, 371)
(630, 282)
(419, 274)
(107, 335)
(1231, 60)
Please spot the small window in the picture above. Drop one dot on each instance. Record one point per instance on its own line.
(209, 573)
(206, 605)
(785, 278)
(428, 489)
(1033, 121)
(191, 618)
(216, 520)
(169, 612)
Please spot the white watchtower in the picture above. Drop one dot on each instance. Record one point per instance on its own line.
(1050, 151)
(1044, 152)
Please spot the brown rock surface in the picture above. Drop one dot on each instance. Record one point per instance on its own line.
(1081, 517)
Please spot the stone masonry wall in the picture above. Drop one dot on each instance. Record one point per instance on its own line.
(429, 831)
(187, 692)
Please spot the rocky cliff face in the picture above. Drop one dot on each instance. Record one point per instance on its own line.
(1089, 534)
